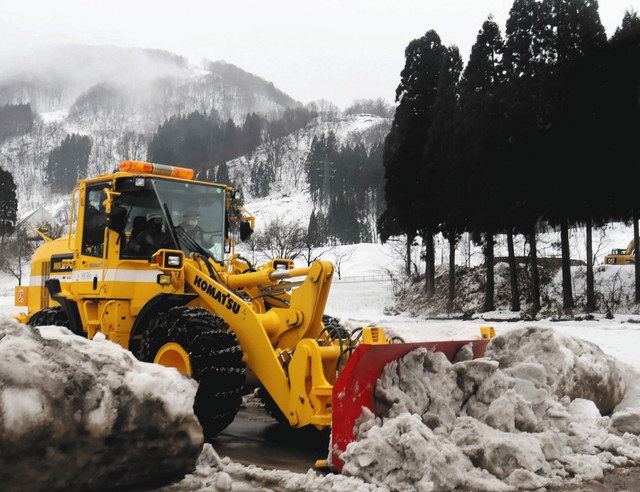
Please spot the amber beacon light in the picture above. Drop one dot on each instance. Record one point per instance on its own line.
(159, 169)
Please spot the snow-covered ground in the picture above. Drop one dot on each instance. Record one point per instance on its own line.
(359, 303)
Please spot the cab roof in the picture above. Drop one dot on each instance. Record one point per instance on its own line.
(146, 169)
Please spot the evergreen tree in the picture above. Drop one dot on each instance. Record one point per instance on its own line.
(481, 112)
(349, 174)
(261, 176)
(222, 174)
(578, 35)
(629, 28)
(620, 103)
(252, 132)
(314, 237)
(404, 146)
(529, 36)
(203, 141)
(68, 162)
(442, 204)
(15, 119)
(8, 204)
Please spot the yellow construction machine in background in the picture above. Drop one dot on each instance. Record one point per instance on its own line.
(621, 256)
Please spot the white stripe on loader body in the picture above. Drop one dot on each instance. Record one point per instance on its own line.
(110, 275)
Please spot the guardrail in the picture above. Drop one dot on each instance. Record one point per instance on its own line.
(362, 278)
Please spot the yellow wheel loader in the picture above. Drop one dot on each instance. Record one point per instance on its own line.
(150, 262)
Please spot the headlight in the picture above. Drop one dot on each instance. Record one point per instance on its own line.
(164, 279)
(173, 260)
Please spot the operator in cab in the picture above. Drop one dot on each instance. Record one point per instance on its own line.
(191, 225)
(151, 239)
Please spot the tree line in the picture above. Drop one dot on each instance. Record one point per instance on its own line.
(347, 182)
(15, 119)
(207, 142)
(67, 162)
(538, 128)
(16, 244)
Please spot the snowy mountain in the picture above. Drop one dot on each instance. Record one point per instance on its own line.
(117, 96)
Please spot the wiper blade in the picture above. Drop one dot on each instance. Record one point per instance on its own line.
(192, 243)
(171, 226)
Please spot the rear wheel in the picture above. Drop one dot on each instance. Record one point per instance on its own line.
(54, 316)
(51, 316)
(200, 345)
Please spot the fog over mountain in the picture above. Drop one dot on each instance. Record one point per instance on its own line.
(53, 78)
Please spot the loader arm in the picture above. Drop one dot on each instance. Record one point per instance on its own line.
(630, 248)
(303, 391)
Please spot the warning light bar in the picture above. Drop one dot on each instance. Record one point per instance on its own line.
(159, 169)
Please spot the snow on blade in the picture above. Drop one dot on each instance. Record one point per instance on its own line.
(524, 417)
(87, 413)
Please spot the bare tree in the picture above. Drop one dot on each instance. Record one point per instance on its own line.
(280, 239)
(311, 253)
(133, 146)
(405, 254)
(276, 150)
(340, 256)
(602, 244)
(16, 254)
(326, 108)
(298, 171)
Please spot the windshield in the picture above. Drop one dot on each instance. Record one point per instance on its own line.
(197, 210)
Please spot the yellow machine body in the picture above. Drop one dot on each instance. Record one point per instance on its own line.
(282, 340)
(622, 256)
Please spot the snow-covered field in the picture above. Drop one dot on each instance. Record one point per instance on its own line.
(361, 304)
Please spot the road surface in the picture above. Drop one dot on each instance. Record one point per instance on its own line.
(254, 438)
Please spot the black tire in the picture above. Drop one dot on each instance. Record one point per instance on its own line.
(334, 327)
(51, 316)
(216, 362)
(271, 406)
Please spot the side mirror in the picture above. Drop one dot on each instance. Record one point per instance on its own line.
(245, 230)
(117, 218)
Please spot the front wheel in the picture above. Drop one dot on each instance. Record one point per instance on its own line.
(200, 345)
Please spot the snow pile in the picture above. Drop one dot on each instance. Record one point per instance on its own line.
(87, 413)
(213, 473)
(527, 416)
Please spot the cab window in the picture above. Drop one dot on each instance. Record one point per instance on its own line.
(95, 221)
(145, 230)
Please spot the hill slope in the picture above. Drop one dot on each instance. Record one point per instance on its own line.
(117, 96)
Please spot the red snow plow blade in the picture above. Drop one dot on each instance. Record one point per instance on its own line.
(357, 381)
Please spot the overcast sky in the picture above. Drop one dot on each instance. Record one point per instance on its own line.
(338, 49)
